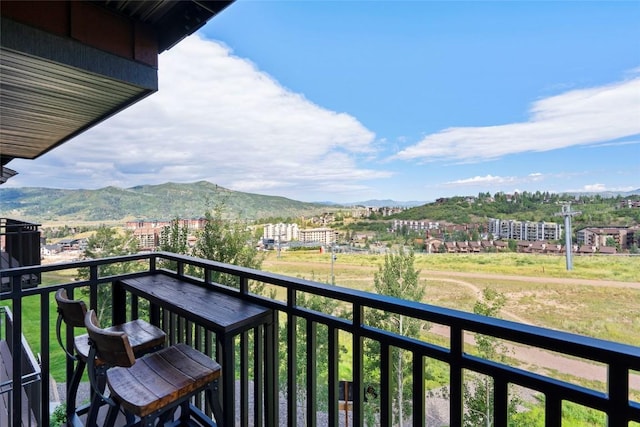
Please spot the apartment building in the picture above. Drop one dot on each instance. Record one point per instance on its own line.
(319, 235)
(145, 223)
(597, 237)
(367, 211)
(628, 203)
(148, 232)
(524, 230)
(423, 225)
(148, 237)
(189, 223)
(281, 232)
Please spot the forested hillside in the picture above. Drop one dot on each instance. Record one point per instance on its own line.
(169, 200)
(595, 209)
(163, 201)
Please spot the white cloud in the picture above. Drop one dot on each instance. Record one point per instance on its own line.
(578, 117)
(216, 117)
(490, 180)
(595, 187)
(617, 143)
(598, 188)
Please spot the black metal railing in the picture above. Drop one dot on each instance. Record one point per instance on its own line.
(308, 382)
(19, 247)
(30, 378)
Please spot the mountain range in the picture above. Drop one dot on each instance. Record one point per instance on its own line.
(377, 203)
(164, 201)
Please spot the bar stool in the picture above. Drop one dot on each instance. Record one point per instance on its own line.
(144, 338)
(152, 386)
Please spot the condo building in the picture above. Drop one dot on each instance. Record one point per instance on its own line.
(524, 230)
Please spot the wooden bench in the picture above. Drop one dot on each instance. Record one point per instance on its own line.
(152, 386)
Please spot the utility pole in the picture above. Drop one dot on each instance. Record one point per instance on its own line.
(333, 258)
(567, 213)
(279, 240)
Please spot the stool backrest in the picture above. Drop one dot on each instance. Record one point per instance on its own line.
(111, 347)
(71, 311)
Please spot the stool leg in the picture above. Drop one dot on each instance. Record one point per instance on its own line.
(72, 391)
(147, 421)
(214, 402)
(184, 412)
(130, 418)
(96, 401)
(111, 416)
(167, 416)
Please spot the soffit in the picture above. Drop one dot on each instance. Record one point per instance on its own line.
(43, 104)
(53, 88)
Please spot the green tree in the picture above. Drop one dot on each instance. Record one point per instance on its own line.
(396, 278)
(612, 242)
(478, 390)
(174, 239)
(227, 241)
(319, 304)
(460, 236)
(107, 242)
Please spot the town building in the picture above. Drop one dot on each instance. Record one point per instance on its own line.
(399, 224)
(367, 211)
(621, 237)
(319, 235)
(148, 238)
(149, 231)
(190, 223)
(49, 250)
(281, 232)
(629, 203)
(73, 244)
(524, 230)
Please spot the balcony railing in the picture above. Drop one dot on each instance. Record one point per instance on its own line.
(306, 390)
(30, 374)
(19, 246)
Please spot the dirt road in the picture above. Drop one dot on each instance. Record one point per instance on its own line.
(534, 359)
(533, 279)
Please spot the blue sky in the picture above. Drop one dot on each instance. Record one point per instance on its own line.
(355, 100)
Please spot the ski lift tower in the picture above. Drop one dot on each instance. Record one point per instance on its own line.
(567, 213)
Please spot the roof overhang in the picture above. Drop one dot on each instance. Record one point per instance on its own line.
(66, 65)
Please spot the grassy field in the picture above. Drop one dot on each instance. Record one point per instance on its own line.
(618, 268)
(600, 297)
